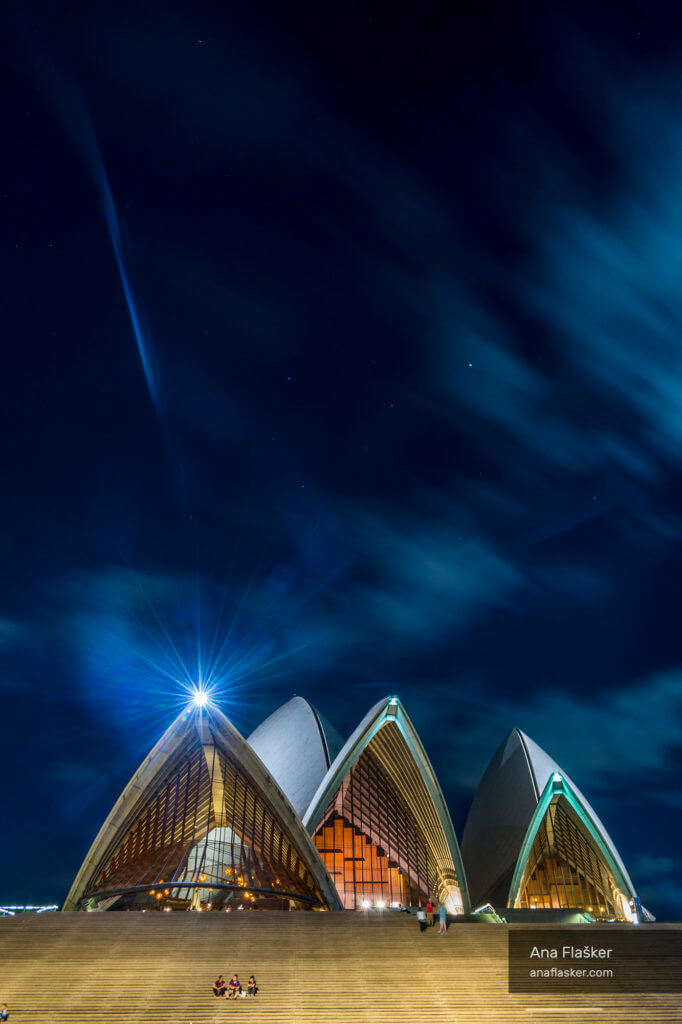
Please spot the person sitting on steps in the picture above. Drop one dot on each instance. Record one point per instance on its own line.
(251, 988)
(234, 987)
(219, 987)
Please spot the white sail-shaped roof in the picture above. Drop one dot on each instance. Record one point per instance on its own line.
(202, 780)
(543, 767)
(501, 812)
(388, 732)
(296, 746)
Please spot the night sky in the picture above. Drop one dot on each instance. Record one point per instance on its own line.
(342, 356)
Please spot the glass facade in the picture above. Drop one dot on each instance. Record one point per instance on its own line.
(205, 835)
(566, 870)
(375, 837)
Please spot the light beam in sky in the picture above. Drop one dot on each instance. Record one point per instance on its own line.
(115, 236)
(71, 105)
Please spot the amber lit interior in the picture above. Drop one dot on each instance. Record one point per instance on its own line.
(566, 870)
(370, 840)
(207, 825)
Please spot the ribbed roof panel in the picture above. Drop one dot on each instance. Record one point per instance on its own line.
(292, 743)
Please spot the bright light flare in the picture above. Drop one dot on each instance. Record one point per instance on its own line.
(199, 698)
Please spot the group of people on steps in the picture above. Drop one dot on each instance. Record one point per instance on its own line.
(426, 918)
(232, 989)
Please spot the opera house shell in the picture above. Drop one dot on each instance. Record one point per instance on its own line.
(297, 747)
(294, 817)
(532, 841)
(201, 821)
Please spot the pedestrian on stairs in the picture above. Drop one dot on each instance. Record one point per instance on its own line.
(4, 1012)
(443, 920)
(421, 917)
(429, 913)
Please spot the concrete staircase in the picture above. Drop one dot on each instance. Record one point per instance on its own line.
(312, 968)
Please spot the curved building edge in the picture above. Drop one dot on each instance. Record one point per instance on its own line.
(559, 785)
(136, 791)
(543, 767)
(389, 710)
(506, 813)
(292, 744)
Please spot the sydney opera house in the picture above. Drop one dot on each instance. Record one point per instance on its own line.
(296, 818)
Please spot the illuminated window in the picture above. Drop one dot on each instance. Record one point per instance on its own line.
(565, 869)
(370, 841)
(205, 822)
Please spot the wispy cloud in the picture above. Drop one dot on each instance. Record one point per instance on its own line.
(427, 583)
(631, 734)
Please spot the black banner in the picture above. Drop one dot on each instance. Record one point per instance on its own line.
(595, 959)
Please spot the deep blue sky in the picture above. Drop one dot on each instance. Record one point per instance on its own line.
(409, 286)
